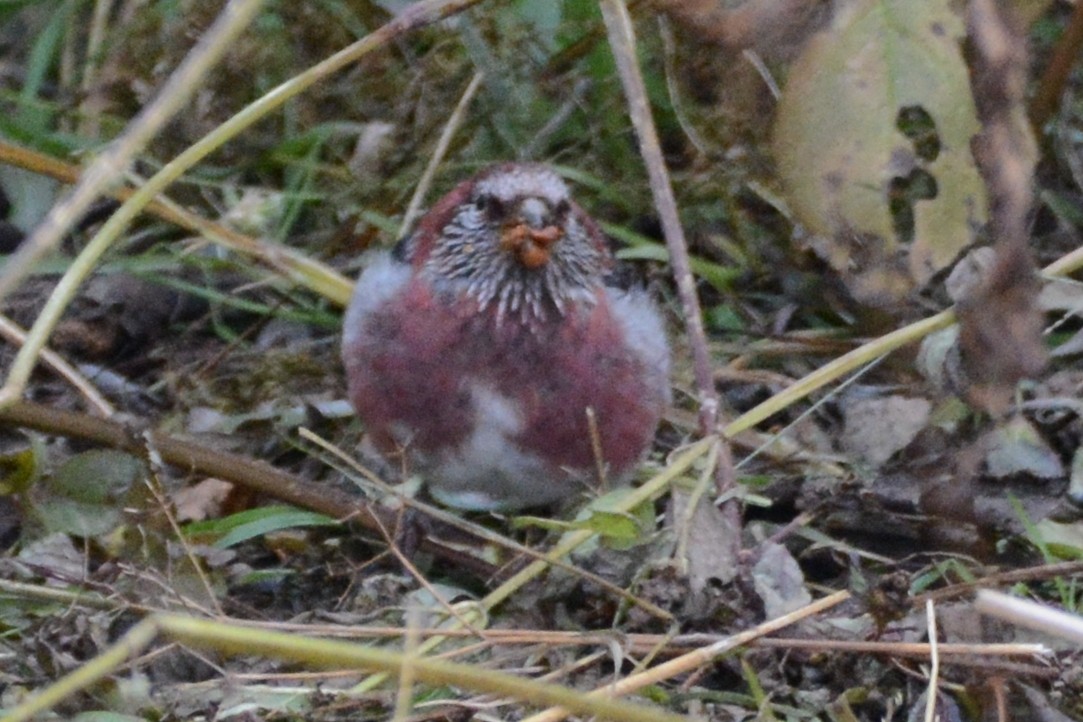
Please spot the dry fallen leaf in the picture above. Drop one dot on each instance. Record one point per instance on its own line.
(201, 501)
(876, 428)
(779, 582)
(873, 144)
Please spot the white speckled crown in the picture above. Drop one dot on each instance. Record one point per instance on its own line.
(524, 180)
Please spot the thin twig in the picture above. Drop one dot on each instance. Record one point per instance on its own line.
(622, 42)
(699, 657)
(482, 534)
(931, 692)
(631, 643)
(637, 643)
(442, 145)
(17, 336)
(91, 118)
(413, 571)
(194, 458)
(1003, 579)
(157, 491)
(287, 262)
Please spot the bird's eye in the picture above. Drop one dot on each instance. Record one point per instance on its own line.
(562, 207)
(489, 205)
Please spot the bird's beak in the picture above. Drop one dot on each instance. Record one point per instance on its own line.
(530, 233)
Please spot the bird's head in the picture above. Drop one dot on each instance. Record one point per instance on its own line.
(512, 236)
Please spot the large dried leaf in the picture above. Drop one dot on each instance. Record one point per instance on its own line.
(878, 109)
(875, 429)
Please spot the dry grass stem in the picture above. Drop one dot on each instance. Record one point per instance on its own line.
(454, 122)
(98, 403)
(622, 42)
(692, 660)
(932, 691)
(1032, 615)
(109, 167)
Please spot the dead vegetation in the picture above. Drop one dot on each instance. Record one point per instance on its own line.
(848, 182)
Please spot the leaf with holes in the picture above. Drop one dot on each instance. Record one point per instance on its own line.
(873, 144)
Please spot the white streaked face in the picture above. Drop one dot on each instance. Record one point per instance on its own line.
(518, 243)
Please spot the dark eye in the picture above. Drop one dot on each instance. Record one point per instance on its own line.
(489, 205)
(562, 207)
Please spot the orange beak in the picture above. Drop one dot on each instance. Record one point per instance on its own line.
(532, 246)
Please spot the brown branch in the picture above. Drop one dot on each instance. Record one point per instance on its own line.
(1002, 579)
(1000, 324)
(622, 43)
(241, 470)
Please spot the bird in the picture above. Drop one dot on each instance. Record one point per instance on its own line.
(494, 352)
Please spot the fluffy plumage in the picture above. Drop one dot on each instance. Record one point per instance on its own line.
(474, 349)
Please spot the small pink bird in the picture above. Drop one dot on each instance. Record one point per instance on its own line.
(474, 350)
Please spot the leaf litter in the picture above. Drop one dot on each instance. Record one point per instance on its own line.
(892, 489)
